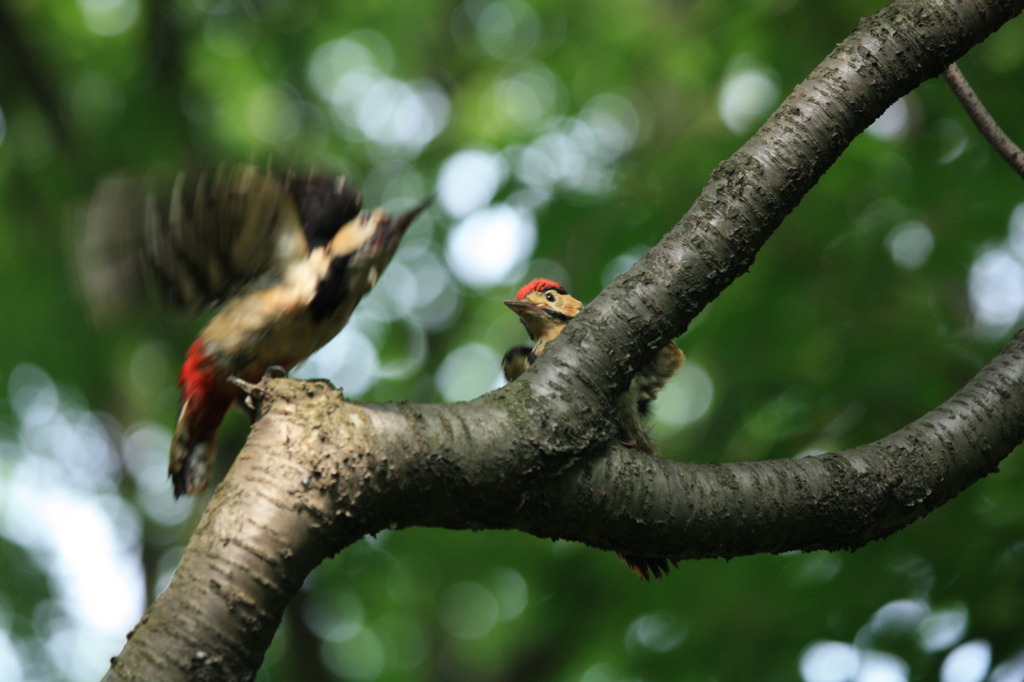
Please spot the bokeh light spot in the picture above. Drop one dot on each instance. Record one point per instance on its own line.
(468, 610)
(1015, 232)
(686, 398)
(829, 662)
(880, 666)
(487, 247)
(335, 616)
(657, 632)
(352, 74)
(969, 662)
(506, 29)
(910, 244)
(995, 287)
(361, 658)
(746, 97)
(899, 615)
(468, 371)
(893, 123)
(942, 629)
(512, 593)
(468, 181)
(349, 361)
(109, 17)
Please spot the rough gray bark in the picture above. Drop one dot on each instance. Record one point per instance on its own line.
(318, 473)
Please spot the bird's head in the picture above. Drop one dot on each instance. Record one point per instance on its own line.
(544, 307)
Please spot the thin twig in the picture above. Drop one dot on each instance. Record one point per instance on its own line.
(983, 120)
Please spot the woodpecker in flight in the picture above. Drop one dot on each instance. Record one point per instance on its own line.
(284, 258)
(545, 307)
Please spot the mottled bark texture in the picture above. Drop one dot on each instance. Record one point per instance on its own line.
(318, 473)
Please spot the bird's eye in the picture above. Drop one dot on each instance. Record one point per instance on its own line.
(550, 296)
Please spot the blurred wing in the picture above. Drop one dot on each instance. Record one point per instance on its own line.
(217, 233)
(212, 235)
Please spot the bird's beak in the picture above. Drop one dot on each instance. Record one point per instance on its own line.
(520, 307)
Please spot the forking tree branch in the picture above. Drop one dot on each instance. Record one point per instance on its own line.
(318, 473)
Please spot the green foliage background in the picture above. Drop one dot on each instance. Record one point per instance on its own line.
(828, 342)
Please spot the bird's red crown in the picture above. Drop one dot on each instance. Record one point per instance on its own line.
(539, 285)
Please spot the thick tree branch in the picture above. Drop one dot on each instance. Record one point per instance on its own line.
(839, 500)
(351, 469)
(834, 501)
(318, 473)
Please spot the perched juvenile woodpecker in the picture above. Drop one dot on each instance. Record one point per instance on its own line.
(284, 258)
(545, 307)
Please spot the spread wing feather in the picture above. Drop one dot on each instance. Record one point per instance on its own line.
(212, 235)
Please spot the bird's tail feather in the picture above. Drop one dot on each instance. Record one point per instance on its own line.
(194, 444)
(645, 567)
